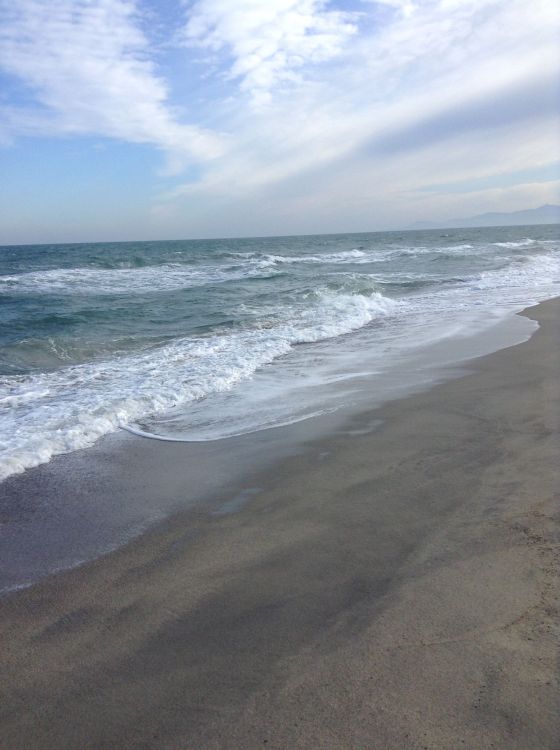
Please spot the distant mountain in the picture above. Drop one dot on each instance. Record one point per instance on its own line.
(543, 215)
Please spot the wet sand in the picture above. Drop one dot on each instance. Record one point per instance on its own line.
(395, 585)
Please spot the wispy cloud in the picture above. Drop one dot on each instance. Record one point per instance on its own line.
(268, 43)
(547, 173)
(87, 64)
(324, 113)
(462, 89)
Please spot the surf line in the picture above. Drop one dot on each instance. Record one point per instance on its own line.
(150, 435)
(284, 423)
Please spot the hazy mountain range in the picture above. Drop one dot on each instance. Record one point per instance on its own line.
(549, 214)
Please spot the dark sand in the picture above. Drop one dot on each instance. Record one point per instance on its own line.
(388, 589)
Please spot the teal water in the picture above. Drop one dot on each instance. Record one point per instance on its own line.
(197, 340)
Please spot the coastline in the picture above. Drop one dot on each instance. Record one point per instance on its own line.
(393, 586)
(84, 504)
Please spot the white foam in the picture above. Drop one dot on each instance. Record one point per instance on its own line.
(166, 277)
(67, 409)
(345, 256)
(538, 271)
(521, 243)
(360, 256)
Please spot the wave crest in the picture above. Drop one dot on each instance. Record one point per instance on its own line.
(78, 404)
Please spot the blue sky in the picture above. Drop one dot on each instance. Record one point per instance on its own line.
(123, 119)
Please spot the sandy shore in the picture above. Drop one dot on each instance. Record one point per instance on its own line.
(392, 586)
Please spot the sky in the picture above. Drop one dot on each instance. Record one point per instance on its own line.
(153, 119)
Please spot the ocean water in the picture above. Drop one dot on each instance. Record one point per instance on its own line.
(200, 340)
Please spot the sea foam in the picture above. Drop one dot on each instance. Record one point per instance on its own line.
(70, 408)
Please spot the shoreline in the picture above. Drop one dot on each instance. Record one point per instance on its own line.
(394, 585)
(85, 504)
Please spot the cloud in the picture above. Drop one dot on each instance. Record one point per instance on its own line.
(87, 64)
(524, 101)
(324, 115)
(505, 179)
(268, 42)
(431, 78)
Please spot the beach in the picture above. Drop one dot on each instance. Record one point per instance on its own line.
(391, 584)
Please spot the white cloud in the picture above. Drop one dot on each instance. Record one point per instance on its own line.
(87, 63)
(356, 111)
(429, 74)
(363, 194)
(269, 42)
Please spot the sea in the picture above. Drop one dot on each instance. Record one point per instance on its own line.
(199, 340)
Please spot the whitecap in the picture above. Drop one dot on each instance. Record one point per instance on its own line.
(149, 279)
(70, 408)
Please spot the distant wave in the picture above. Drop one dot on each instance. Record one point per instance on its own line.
(134, 279)
(357, 256)
(149, 279)
(521, 243)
